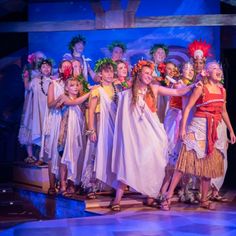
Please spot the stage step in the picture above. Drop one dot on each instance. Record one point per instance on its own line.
(31, 177)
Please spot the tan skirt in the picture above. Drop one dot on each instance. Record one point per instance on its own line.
(210, 167)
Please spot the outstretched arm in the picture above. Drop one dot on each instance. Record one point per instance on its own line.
(174, 92)
(76, 101)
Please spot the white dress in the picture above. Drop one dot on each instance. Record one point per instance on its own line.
(51, 128)
(39, 107)
(140, 145)
(73, 154)
(25, 131)
(222, 144)
(97, 163)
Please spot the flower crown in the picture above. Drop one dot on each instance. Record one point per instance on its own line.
(102, 62)
(84, 83)
(139, 65)
(117, 44)
(75, 40)
(156, 46)
(199, 49)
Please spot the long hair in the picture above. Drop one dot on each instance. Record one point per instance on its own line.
(150, 98)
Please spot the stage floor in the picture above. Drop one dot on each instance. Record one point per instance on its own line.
(138, 220)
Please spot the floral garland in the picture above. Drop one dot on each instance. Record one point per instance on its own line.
(103, 61)
(75, 40)
(139, 65)
(84, 83)
(156, 46)
(117, 44)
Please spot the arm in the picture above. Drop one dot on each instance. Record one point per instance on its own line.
(196, 94)
(91, 118)
(52, 102)
(226, 119)
(77, 101)
(174, 92)
(26, 78)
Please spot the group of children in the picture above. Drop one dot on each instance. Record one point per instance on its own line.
(147, 129)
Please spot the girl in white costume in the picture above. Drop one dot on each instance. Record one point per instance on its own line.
(39, 87)
(140, 143)
(25, 132)
(101, 118)
(71, 139)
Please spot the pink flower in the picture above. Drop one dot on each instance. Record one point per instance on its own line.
(31, 58)
(26, 74)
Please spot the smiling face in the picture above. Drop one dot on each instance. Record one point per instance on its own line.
(188, 71)
(73, 87)
(117, 53)
(170, 70)
(159, 55)
(79, 47)
(199, 65)
(76, 66)
(145, 75)
(107, 74)
(46, 69)
(214, 71)
(122, 70)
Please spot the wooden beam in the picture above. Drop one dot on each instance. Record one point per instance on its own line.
(97, 7)
(48, 26)
(196, 20)
(133, 5)
(145, 22)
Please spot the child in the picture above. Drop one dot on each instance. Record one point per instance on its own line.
(201, 152)
(25, 133)
(101, 117)
(140, 143)
(71, 139)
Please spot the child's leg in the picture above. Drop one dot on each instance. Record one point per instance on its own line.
(205, 203)
(166, 182)
(63, 177)
(52, 180)
(119, 193)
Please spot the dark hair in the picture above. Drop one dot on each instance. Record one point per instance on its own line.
(156, 46)
(77, 39)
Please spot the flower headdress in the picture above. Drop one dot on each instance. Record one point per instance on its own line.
(76, 39)
(101, 62)
(156, 46)
(117, 44)
(199, 49)
(84, 83)
(31, 58)
(139, 65)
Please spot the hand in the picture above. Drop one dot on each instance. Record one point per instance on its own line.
(93, 87)
(203, 73)
(232, 138)
(93, 137)
(198, 84)
(182, 134)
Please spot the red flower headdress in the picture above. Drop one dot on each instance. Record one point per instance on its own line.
(139, 65)
(199, 49)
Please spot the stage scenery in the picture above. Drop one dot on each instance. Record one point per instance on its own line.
(117, 117)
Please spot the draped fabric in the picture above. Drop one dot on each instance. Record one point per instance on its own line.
(139, 146)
